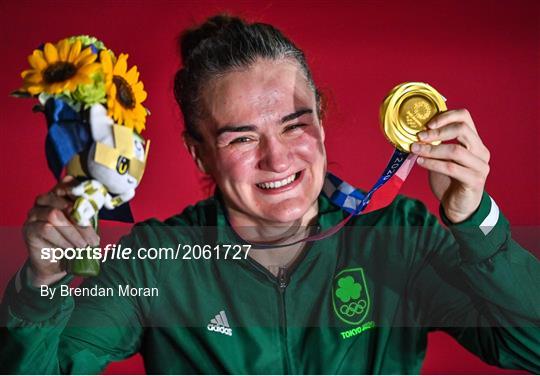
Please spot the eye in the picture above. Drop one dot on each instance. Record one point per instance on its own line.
(122, 165)
(240, 140)
(294, 127)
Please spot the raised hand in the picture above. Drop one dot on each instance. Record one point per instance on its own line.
(457, 172)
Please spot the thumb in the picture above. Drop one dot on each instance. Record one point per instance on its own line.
(67, 179)
(63, 188)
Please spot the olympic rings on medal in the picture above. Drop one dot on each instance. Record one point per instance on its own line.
(353, 308)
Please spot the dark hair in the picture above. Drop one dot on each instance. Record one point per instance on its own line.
(219, 45)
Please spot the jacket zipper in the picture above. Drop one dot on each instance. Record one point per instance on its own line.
(283, 281)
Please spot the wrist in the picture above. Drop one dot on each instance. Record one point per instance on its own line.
(37, 280)
(456, 217)
(482, 234)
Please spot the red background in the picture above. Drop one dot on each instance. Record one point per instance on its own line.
(481, 55)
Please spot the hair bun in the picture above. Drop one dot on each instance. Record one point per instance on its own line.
(190, 39)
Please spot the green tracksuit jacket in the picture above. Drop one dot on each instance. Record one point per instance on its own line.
(360, 301)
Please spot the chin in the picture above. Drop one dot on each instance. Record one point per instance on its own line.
(285, 212)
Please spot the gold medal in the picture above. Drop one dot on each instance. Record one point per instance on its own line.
(406, 110)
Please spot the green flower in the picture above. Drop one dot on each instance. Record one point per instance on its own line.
(92, 93)
(64, 96)
(348, 289)
(87, 40)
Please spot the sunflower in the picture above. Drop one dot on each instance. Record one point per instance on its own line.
(125, 92)
(59, 68)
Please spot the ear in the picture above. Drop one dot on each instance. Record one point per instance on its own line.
(320, 114)
(100, 122)
(193, 148)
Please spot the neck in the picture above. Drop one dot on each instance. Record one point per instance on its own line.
(259, 230)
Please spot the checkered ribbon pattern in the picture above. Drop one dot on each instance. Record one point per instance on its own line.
(355, 202)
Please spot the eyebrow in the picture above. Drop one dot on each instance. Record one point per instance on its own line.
(296, 114)
(250, 127)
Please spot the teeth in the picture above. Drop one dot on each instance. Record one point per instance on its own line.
(277, 184)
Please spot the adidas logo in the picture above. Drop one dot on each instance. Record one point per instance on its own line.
(220, 324)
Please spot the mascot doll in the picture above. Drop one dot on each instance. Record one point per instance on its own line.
(93, 106)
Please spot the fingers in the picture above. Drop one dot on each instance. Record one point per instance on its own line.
(453, 116)
(467, 176)
(63, 190)
(452, 152)
(448, 128)
(89, 234)
(459, 131)
(466, 162)
(77, 237)
(454, 161)
(64, 187)
(60, 195)
(50, 199)
(39, 234)
(49, 226)
(43, 268)
(51, 208)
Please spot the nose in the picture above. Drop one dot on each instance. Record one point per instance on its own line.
(275, 155)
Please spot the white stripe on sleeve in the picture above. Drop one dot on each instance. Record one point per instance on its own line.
(491, 220)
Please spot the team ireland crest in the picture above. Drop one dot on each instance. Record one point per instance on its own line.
(350, 296)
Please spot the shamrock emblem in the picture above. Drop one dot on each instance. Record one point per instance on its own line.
(348, 289)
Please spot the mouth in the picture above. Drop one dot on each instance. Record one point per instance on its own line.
(281, 185)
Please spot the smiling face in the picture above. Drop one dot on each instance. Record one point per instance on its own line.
(263, 143)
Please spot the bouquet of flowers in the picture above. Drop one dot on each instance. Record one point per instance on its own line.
(94, 112)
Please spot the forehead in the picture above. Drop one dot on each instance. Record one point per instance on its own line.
(266, 91)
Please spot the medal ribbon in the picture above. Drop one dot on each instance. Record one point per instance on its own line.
(354, 201)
